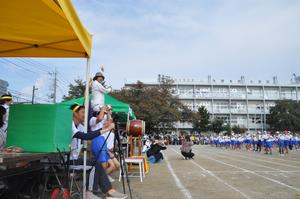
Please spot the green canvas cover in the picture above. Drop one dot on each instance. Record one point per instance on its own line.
(40, 127)
(117, 106)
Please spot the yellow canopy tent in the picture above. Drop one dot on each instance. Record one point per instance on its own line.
(44, 28)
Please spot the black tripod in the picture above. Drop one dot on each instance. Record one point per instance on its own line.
(123, 165)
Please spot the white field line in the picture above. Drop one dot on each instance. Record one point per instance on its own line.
(254, 158)
(187, 194)
(232, 157)
(283, 175)
(252, 172)
(219, 179)
(257, 171)
(266, 157)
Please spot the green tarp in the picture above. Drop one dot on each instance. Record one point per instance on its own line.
(48, 127)
(40, 127)
(117, 106)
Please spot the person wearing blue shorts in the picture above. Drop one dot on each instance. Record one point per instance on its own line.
(264, 140)
(269, 144)
(297, 140)
(286, 142)
(99, 148)
(254, 142)
(248, 141)
(232, 142)
(281, 145)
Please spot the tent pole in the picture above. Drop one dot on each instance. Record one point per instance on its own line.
(86, 104)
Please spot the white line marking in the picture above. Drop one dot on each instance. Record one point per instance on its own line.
(232, 157)
(219, 179)
(257, 171)
(277, 163)
(246, 170)
(183, 190)
(283, 175)
(267, 157)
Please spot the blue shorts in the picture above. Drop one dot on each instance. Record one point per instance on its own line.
(247, 141)
(281, 143)
(264, 142)
(97, 143)
(269, 144)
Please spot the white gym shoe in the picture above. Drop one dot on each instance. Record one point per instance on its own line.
(117, 195)
(110, 178)
(90, 195)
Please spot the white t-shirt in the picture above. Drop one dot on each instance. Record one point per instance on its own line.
(110, 140)
(265, 137)
(76, 143)
(98, 91)
(3, 129)
(94, 125)
(97, 126)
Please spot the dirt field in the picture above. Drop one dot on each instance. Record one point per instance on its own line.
(220, 173)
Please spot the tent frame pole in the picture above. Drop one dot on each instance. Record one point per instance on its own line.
(86, 104)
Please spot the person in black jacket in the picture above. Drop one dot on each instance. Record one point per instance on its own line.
(155, 149)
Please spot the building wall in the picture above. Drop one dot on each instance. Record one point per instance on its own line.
(3, 87)
(240, 103)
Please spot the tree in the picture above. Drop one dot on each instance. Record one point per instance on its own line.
(76, 90)
(285, 115)
(217, 125)
(228, 129)
(200, 119)
(238, 130)
(156, 105)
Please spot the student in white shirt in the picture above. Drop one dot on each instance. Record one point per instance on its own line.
(5, 102)
(98, 91)
(2, 127)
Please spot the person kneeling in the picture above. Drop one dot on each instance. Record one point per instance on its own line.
(186, 148)
(154, 151)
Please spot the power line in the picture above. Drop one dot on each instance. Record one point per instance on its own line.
(18, 66)
(61, 90)
(33, 65)
(63, 78)
(39, 63)
(15, 92)
(62, 83)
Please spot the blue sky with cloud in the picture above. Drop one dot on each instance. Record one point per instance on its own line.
(138, 39)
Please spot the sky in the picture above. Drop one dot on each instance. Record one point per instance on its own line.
(139, 39)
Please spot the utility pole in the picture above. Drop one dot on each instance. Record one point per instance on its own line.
(53, 95)
(33, 93)
(55, 86)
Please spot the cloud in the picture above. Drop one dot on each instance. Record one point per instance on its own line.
(195, 38)
(42, 83)
(185, 39)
